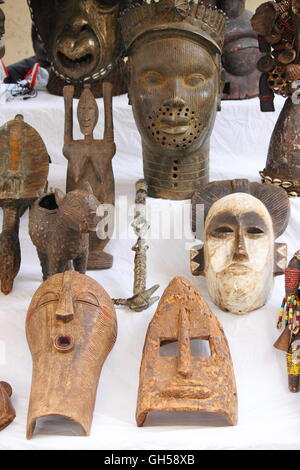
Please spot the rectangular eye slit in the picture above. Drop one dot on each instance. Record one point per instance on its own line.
(200, 347)
(169, 349)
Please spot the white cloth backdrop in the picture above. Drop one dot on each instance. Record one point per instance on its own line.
(269, 415)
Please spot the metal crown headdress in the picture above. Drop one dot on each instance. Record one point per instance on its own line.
(187, 16)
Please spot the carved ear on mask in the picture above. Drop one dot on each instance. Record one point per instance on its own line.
(197, 260)
(88, 187)
(59, 196)
(280, 258)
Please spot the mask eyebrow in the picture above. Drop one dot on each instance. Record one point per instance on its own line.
(252, 218)
(223, 218)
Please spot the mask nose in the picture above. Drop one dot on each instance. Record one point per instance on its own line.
(65, 308)
(174, 102)
(240, 252)
(184, 360)
(78, 25)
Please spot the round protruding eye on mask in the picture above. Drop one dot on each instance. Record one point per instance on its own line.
(63, 343)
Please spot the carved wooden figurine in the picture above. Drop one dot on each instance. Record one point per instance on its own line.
(59, 227)
(174, 50)
(240, 52)
(24, 165)
(7, 411)
(83, 43)
(189, 377)
(2, 31)
(90, 159)
(239, 256)
(278, 24)
(71, 327)
(289, 340)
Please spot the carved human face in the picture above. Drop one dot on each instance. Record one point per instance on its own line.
(177, 368)
(174, 91)
(85, 40)
(87, 112)
(71, 328)
(239, 253)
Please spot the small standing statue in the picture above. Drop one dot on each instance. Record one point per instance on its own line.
(278, 26)
(24, 165)
(90, 159)
(289, 340)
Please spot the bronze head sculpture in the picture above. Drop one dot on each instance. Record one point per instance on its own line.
(188, 379)
(239, 256)
(71, 327)
(83, 42)
(278, 25)
(174, 60)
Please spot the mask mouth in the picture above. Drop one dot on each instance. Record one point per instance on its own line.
(238, 268)
(175, 128)
(77, 57)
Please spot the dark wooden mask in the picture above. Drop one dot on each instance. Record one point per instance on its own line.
(82, 39)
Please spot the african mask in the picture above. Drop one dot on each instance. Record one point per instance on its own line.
(240, 52)
(71, 327)
(174, 87)
(83, 42)
(189, 380)
(2, 31)
(238, 256)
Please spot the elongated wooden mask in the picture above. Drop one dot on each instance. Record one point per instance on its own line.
(187, 381)
(71, 327)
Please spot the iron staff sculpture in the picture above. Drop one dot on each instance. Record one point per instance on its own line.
(90, 160)
(142, 297)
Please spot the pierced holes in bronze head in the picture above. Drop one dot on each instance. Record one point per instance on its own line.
(64, 343)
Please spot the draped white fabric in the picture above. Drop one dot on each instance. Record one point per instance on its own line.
(269, 415)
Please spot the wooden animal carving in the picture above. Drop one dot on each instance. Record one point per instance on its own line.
(186, 364)
(59, 227)
(7, 412)
(24, 165)
(90, 159)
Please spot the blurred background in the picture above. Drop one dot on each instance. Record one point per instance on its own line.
(17, 36)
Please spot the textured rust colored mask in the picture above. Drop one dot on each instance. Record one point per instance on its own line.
(174, 88)
(71, 327)
(188, 381)
(82, 41)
